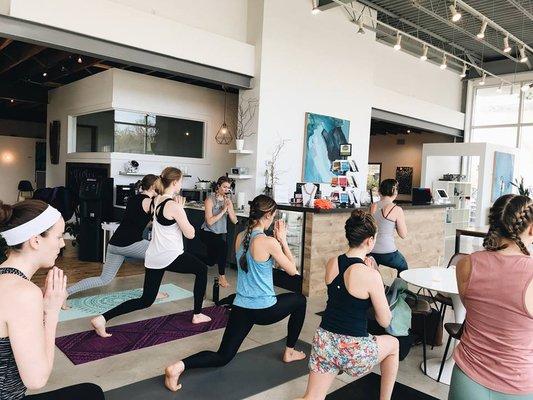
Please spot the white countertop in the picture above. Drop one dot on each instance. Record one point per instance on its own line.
(200, 207)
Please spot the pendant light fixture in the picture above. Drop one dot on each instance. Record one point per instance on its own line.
(223, 135)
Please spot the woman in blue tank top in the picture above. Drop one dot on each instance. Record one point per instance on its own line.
(255, 301)
(342, 342)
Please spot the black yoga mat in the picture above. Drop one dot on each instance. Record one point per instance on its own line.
(367, 388)
(250, 372)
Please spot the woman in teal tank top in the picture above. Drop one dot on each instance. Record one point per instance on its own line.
(256, 301)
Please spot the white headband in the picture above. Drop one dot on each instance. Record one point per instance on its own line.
(34, 227)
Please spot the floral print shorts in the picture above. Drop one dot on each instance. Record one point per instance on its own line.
(333, 352)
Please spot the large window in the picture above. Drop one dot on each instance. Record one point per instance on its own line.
(505, 117)
(139, 133)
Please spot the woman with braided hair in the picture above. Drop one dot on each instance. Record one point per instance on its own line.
(494, 359)
(255, 303)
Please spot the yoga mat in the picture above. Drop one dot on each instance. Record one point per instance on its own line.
(250, 372)
(367, 388)
(83, 307)
(87, 346)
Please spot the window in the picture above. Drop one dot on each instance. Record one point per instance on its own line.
(526, 155)
(494, 108)
(139, 133)
(527, 117)
(502, 136)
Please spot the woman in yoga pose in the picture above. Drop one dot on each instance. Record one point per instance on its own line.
(32, 235)
(218, 207)
(165, 253)
(255, 301)
(342, 342)
(127, 241)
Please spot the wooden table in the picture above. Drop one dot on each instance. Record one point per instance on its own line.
(479, 231)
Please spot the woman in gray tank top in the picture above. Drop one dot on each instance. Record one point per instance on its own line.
(218, 207)
(390, 219)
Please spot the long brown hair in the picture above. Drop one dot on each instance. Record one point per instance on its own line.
(509, 217)
(259, 206)
(15, 215)
(360, 226)
(169, 175)
(147, 182)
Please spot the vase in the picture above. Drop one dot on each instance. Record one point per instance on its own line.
(239, 143)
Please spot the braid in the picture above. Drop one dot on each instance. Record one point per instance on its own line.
(493, 240)
(518, 223)
(243, 263)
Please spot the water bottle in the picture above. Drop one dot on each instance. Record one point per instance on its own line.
(216, 293)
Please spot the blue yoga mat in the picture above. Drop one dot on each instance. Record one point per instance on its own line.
(89, 306)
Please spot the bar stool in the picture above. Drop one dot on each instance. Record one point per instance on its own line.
(455, 331)
(422, 308)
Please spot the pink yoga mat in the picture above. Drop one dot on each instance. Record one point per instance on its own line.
(87, 346)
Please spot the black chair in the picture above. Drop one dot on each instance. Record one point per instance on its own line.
(455, 331)
(423, 308)
(24, 187)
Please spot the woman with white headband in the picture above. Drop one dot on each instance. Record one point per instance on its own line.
(31, 237)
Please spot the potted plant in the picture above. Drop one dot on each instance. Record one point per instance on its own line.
(245, 120)
(522, 191)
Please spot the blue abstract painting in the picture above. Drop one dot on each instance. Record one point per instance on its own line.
(502, 175)
(323, 138)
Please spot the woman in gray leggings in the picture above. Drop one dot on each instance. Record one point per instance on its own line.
(127, 241)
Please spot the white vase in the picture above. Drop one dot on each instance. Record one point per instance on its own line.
(239, 144)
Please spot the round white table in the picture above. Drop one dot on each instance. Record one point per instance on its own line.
(109, 228)
(441, 280)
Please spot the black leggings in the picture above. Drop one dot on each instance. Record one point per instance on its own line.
(185, 264)
(83, 391)
(241, 320)
(217, 249)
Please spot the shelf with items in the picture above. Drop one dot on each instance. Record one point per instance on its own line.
(231, 176)
(233, 151)
(123, 173)
(460, 195)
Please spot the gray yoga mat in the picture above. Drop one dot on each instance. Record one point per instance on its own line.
(250, 372)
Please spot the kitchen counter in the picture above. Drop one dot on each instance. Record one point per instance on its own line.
(406, 206)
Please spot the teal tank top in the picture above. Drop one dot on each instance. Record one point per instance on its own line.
(255, 288)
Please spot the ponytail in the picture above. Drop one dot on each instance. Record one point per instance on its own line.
(168, 175)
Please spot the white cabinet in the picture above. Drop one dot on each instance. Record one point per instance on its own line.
(461, 196)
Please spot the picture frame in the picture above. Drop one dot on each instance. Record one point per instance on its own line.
(374, 175)
(345, 149)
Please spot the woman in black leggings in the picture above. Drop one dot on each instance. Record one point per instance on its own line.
(165, 253)
(255, 301)
(31, 236)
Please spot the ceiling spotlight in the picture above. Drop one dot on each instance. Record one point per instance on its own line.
(186, 133)
(483, 79)
(45, 74)
(361, 29)
(398, 44)
(424, 55)
(463, 72)
(456, 16)
(506, 46)
(500, 88)
(525, 87)
(443, 65)
(11, 101)
(408, 130)
(523, 56)
(80, 60)
(315, 10)
(481, 33)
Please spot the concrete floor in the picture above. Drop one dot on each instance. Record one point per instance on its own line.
(134, 366)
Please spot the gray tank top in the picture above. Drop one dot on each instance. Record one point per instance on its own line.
(386, 228)
(220, 226)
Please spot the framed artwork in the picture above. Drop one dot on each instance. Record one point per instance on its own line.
(502, 175)
(404, 176)
(324, 137)
(374, 176)
(346, 150)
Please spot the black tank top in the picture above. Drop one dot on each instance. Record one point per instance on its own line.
(11, 385)
(345, 314)
(132, 225)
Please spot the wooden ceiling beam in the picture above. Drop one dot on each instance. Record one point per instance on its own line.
(34, 71)
(19, 55)
(5, 43)
(23, 92)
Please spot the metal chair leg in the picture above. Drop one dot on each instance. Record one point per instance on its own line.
(444, 357)
(424, 345)
(442, 313)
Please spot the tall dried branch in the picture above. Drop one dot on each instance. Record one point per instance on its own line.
(246, 117)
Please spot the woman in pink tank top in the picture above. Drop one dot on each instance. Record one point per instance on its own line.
(494, 359)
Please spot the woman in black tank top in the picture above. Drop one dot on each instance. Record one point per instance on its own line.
(127, 241)
(342, 342)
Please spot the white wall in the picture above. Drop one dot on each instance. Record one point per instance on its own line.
(123, 24)
(118, 89)
(17, 162)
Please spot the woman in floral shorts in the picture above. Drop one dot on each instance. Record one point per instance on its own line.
(342, 342)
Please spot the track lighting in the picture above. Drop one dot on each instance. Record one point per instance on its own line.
(463, 72)
(45, 74)
(481, 33)
(456, 16)
(506, 46)
(443, 65)
(11, 101)
(315, 10)
(80, 60)
(483, 79)
(361, 29)
(424, 55)
(523, 56)
(398, 44)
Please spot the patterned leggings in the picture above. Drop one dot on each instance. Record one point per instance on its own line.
(113, 261)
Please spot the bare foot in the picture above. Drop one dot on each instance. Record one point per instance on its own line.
(222, 281)
(293, 355)
(65, 306)
(161, 295)
(172, 375)
(98, 324)
(200, 318)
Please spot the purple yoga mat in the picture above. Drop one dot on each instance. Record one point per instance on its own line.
(87, 346)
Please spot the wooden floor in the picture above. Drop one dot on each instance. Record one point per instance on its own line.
(77, 270)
